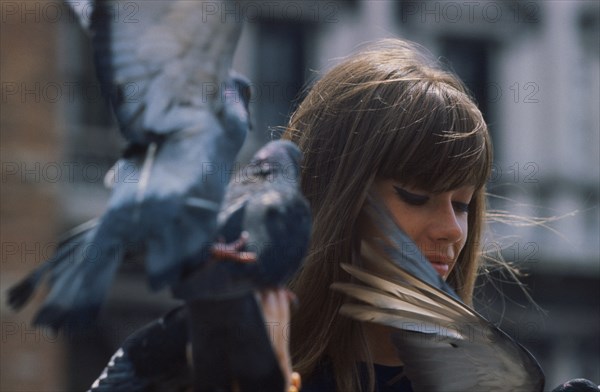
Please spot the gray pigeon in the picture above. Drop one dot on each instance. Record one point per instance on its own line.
(445, 345)
(166, 68)
(227, 330)
(266, 202)
(267, 220)
(266, 215)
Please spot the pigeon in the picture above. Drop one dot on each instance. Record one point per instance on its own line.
(265, 218)
(153, 358)
(444, 344)
(184, 113)
(265, 226)
(268, 205)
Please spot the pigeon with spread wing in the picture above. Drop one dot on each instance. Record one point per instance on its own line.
(444, 344)
(166, 69)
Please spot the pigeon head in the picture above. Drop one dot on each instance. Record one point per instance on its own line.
(276, 159)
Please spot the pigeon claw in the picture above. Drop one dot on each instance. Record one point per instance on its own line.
(232, 251)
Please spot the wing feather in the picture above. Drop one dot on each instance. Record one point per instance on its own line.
(182, 49)
(404, 321)
(384, 301)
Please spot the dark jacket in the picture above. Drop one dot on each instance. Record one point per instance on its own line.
(387, 379)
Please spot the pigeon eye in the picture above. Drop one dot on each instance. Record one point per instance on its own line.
(266, 168)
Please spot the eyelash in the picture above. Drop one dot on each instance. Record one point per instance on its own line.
(461, 207)
(411, 198)
(419, 200)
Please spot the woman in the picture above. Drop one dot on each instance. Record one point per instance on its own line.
(389, 121)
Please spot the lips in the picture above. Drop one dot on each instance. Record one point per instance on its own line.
(441, 268)
(441, 264)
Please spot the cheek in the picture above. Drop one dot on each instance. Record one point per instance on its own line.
(409, 220)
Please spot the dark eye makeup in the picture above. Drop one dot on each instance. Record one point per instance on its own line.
(419, 200)
(461, 207)
(411, 198)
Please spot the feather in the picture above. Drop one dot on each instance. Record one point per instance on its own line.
(152, 359)
(21, 293)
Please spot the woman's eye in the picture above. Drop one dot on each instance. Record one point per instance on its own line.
(461, 207)
(411, 198)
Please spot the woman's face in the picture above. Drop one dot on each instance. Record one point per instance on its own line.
(437, 223)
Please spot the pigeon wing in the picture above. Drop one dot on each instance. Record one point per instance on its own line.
(160, 61)
(443, 347)
(151, 359)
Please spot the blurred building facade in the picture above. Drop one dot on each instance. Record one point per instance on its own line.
(533, 67)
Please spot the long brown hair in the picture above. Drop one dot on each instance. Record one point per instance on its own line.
(390, 112)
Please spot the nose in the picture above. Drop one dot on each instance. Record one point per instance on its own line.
(446, 226)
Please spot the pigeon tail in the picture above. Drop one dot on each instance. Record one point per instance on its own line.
(81, 282)
(21, 293)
